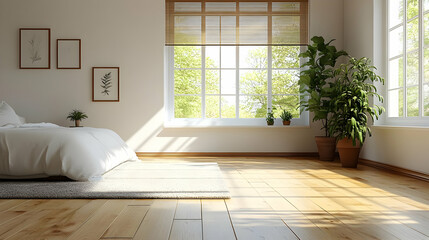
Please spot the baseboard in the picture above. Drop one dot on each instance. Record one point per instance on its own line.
(227, 154)
(393, 169)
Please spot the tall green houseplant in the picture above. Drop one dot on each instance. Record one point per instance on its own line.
(353, 87)
(316, 90)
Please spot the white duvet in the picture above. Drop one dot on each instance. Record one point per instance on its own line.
(40, 150)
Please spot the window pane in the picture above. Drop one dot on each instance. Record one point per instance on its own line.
(426, 65)
(228, 84)
(253, 82)
(396, 73)
(253, 106)
(426, 4)
(253, 7)
(413, 34)
(212, 29)
(412, 68)
(285, 82)
(212, 106)
(426, 29)
(412, 8)
(212, 57)
(187, 7)
(426, 99)
(228, 57)
(396, 42)
(253, 57)
(285, 56)
(413, 102)
(289, 103)
(220, 7)
(396, 12)
(286, 7)
(286, 29)
(187, 29)
(396, 103)
(228, 29)
(187, 81)
(187, 57)
(212, 82)
(228, 106)
(187, 107)
(253, 29)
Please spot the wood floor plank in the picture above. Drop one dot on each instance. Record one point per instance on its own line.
(42, 225)
(6, 205)
(216, 221)
(188, 209)
(186, 230)
(127, 223)
(100, 220)
(158, 221)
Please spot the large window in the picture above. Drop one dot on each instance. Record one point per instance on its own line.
(408, 64)
(230, 61)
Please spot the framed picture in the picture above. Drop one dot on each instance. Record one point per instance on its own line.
(34, 48)
(105, 84)
(68, 54)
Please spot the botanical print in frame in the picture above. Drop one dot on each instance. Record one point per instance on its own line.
(105, 84)
(68, 54)
(34, 48)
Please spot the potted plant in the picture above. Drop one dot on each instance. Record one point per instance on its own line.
(286, 116)
(77, 116)
(316, 89)
(354, 86)
(270, 117)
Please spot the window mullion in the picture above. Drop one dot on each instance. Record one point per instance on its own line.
(203, 81)
(421, 57)
(404, 91)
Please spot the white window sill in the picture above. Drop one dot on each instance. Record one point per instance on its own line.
(400, 127)
(233, 123)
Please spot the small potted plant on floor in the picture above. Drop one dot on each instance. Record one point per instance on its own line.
(286, 116)
(270, 117)
(354, 86)
(77, 116)
(316, 89)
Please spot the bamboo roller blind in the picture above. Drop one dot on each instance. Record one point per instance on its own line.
(236, 22)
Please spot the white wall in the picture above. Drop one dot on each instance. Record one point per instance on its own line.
(128, 34)
(364, 35)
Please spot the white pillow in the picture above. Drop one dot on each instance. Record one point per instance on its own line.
(8, 115)
(22, 119)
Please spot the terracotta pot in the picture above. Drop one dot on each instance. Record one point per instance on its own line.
(76, 123)
(286, 122)
(349, 154)
(326, 148)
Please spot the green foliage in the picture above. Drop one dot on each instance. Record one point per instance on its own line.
(76, 115)
(353, 86)
(270, 117)
(316, 91)
(286, 115)
(253, 84)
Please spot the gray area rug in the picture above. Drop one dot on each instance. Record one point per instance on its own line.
(131, 180)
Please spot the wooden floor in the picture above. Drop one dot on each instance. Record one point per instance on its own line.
(272, 198)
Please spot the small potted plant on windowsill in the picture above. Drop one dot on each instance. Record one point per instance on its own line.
(77, 116)
(286, 116)
(270, 117)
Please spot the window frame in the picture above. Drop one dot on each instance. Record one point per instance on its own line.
(171, 121)
(405, 120)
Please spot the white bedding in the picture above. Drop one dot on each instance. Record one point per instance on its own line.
(37, 150)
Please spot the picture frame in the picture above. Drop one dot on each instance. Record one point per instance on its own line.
(34, 48)
(69, 54)
(105, 84)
